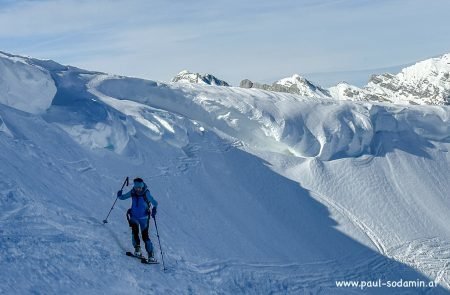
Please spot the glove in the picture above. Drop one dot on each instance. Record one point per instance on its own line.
(119, 193)
(153, 212)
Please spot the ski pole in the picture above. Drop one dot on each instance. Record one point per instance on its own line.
(106, 219)
(159, 242)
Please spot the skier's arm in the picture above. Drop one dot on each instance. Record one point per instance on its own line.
(153, 202)
(151, 199)
(123, 196)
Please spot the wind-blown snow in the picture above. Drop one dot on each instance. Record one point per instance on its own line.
(287, 123)
(259, 192)
(23, 86)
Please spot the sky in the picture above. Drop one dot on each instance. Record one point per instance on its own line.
(234, 40)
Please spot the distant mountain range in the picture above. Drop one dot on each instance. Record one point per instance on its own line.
(426, 82)
(295, 84)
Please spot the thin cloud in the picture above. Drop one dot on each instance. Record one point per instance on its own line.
(258, 39)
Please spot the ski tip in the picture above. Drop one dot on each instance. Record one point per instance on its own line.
(129, 253)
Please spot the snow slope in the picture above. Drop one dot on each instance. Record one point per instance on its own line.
(259, 192)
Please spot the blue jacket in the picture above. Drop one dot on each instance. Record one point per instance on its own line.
(139, 207)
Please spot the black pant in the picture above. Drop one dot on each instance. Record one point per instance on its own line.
(144, 225)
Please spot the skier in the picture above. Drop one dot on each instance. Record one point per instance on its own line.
(139, 215)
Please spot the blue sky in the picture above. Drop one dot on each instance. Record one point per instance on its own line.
(236, 39)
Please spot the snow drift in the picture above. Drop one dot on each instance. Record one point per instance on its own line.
(24, 86)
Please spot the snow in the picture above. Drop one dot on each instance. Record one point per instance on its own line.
(345, 91)
(4, 128)
(206, 79)
(426, 82)
(25, 87)
(438, 66)
(259, 192)
(304, 87)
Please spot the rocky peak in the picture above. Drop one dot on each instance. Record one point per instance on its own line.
(295, 84)
(190, 77)
(426, 82)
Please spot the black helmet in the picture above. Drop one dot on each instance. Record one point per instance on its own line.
(138, 179)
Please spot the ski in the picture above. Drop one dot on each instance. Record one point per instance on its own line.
(143, 259)
(132, 255)
(146, 261)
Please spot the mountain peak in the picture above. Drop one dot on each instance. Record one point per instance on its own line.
(291, 80)
(186, 76)
(295, 84)
(426, 82)
(300, 85)
(434, 67)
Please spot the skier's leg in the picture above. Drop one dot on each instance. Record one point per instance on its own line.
(135, 234)
(145, 236)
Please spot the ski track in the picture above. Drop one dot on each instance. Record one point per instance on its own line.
(430, 256)
(257, 278)
(191, 158)
(366, 230)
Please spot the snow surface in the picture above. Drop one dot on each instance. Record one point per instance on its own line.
(259, 192)
(23, 86)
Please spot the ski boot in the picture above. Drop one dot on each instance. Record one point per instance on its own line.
(137, 252)
(151, 257)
